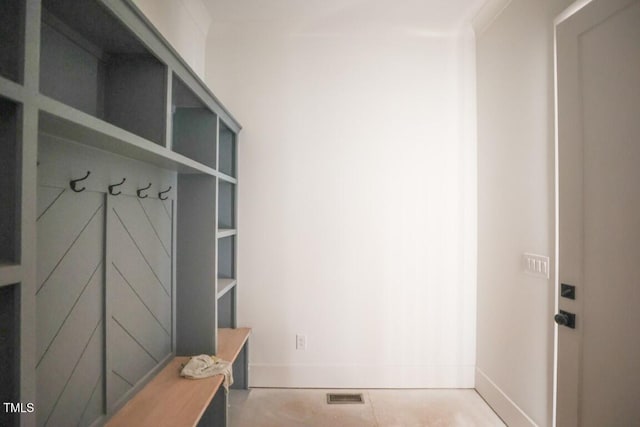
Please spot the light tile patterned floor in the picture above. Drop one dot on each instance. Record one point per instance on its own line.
(382, 408)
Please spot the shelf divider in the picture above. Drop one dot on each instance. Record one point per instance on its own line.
(226, 232)
(11, 90)
(10, 274)
(227, 178)
(225, 285)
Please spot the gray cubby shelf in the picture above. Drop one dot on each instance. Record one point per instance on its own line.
(226, 283)
(9, 182)
(194, 125)
(90, 61)
(68, 123)
(226, 205)
(226, 258)
(227, 150)
(9, 354)
(226, 309)
(12, 36)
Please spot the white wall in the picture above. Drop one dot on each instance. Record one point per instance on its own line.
(515, 210)
(357, 202)
(184, 23)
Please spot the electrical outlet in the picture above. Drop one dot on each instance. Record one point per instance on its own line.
(536, 265)
(301, 342)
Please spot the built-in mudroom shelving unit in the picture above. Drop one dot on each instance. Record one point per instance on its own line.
(118, 174)
(10, 208)
(226, 227)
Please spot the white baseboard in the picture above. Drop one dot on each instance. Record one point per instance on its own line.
(506, 408)
(358, 376)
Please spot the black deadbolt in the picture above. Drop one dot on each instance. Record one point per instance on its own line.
(567, 291)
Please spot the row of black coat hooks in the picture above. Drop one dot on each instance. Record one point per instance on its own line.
(112, 188)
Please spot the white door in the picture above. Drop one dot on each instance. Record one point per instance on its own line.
(598, 100)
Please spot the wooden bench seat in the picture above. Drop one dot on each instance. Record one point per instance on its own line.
(173, 401)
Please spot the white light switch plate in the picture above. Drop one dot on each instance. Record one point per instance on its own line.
(536, 265)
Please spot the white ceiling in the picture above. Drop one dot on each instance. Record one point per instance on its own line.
(425, 15)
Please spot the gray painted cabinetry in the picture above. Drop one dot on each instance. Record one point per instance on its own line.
(104, 281)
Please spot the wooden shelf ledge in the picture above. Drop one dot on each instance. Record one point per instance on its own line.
(169, 400)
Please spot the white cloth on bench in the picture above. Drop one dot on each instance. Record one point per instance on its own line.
(204, 366)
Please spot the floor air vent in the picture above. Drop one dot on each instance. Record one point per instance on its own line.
(344, 398)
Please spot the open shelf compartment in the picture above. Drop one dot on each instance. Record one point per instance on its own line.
(227, 150)
(226, 309)
(12, 37)
(194, 125)
(90, 61)
(73, 125)
(226, 258)
(226, 282)
(9, 351)
(9, 183)
(226, 206)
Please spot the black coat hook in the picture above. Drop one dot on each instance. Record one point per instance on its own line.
(140, 190)
(112, 186)
(163, 192)
(73, 183)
